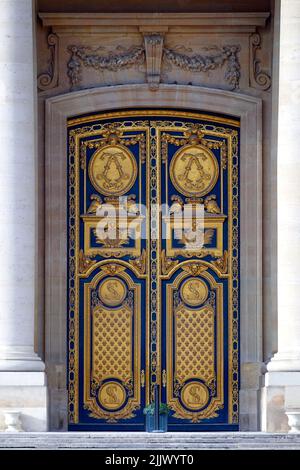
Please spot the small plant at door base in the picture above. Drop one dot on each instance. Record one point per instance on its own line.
(164, 409)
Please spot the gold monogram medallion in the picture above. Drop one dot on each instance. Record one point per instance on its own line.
(113, 170)
(194, 395)
(194, 170)
(112, 291)
(194, 291)
(112, 395)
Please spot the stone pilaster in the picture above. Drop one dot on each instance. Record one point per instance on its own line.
(22, 378)
(282, 381)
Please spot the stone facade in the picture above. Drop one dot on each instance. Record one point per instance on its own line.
(215, 59)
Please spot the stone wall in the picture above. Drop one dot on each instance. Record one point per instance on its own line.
(222, 51)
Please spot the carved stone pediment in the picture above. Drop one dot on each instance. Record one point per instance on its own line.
(111, 49)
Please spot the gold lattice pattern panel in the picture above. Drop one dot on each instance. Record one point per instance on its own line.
(112, 343)
(194, 343)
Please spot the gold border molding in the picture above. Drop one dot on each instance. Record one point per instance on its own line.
(152, 112)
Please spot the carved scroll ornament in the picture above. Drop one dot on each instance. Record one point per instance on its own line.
(257, 75)
(49, 79)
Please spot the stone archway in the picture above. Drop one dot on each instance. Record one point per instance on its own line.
(248, 109)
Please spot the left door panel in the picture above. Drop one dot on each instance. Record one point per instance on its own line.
(107, 275)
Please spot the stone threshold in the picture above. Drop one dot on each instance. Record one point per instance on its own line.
(151, 441)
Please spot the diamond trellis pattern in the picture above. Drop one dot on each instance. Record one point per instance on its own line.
(112, 343)
(194, 343)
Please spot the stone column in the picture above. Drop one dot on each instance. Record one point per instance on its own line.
(283, 378)
(22, 378)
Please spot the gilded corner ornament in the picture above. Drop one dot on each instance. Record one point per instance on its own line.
(194, 268)
(84, 262)
(222, 263)
(95, 205)
(140, 262)
(211, 205)
(167, 264)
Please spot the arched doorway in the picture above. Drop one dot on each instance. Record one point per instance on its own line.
(198, 380)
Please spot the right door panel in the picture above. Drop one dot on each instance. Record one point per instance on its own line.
(200, 272)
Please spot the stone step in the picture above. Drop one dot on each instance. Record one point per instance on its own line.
(151, 441)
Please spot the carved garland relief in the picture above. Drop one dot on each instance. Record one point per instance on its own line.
(137, 55)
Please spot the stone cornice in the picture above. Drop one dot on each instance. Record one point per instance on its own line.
(91, 23)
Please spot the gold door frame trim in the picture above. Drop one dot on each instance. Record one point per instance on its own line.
(153, 112)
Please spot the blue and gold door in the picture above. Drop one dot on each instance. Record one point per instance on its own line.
(153, 269)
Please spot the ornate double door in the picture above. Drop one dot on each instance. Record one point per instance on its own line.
(153, 270)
